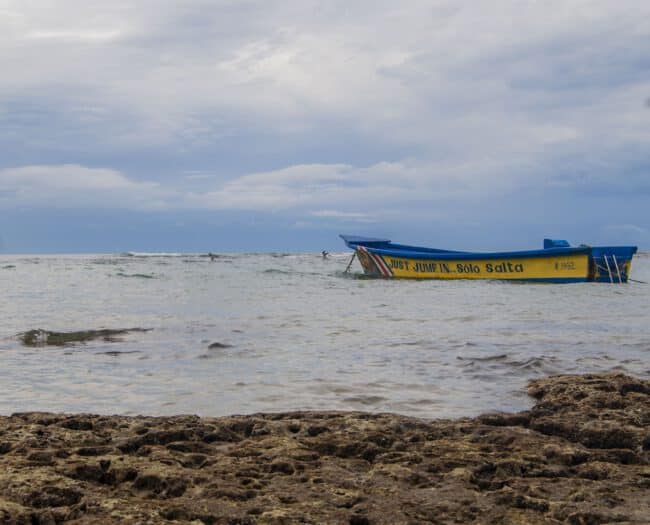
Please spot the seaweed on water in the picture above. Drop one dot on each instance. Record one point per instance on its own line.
(40, 337)
(137, 275)
(217, 345)
(277, 271)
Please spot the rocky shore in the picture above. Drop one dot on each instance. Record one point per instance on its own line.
(579, 456)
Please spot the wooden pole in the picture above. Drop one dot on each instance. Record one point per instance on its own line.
(350, 263)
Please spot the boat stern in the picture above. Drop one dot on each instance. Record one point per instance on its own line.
(610, 264)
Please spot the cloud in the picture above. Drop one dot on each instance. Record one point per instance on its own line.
(75, 186)
(330, 111)
(344, 215)
(451, 77)
(627, 229)
(75, 36)
(65, 177)
(314, 187)
(357, 192)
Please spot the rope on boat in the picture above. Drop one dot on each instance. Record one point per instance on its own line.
(350, 263)
(609, 271)
(617, 270)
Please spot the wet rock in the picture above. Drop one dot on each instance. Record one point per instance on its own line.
(77, 423)
(580, 455)
(94, 451)
(175, 488)
(163, 487)
(41, 457)
(315, 430)
(282, 466)
(149, 482)
(607, 411)
(194, 461)
(52, 496)
(189, 447)
(124, 475)
(294, 428)
(521, 501)
(96, 473)
(359, 520)
(505, 420)
(40, 337)
(217, 345)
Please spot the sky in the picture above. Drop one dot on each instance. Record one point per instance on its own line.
(264, 125)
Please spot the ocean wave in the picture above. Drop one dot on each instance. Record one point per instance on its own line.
(153, 254)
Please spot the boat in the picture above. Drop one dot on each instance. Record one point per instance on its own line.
(557, 262)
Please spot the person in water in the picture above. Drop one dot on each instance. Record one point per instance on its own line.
(212, 256)
(324, 254)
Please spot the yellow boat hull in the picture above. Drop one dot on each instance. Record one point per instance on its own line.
(561, 268)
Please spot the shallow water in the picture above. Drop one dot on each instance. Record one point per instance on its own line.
(298, 333)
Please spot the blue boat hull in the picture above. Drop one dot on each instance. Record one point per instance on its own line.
(558, 262)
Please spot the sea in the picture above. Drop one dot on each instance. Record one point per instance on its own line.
(274, 332)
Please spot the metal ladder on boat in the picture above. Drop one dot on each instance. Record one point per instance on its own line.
(609, 270)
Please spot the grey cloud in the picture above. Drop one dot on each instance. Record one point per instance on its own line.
(464, 103)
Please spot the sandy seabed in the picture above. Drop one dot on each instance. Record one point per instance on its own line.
(579, 456)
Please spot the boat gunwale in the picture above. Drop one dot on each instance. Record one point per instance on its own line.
(353, 241)
(451, 255)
